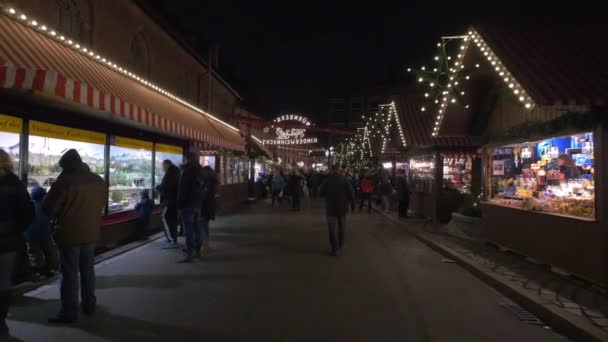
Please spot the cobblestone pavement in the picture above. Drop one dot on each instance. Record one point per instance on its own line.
(576, 296)
(270, 278)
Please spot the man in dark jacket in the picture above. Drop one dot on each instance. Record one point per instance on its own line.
(168, 189)
(295, 183)
(338, 195)
(16, 214)
(208, 208)
(189, 202)
(76, 201)
(403, 193)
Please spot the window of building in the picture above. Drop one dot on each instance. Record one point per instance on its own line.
(338, 105)
(130, 172)
(553, 176)
(10, 134)
(355, 104)
(165, 152)
(138, 55)
(70, 20)
(457, 173)
(47, 143)
(374, 104)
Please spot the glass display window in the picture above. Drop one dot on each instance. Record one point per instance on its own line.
(165, 152)
(130, 172)
(207, 161)
(551, 176)
(457, 173)
(422, 173)
(10, 137)
(48, 143)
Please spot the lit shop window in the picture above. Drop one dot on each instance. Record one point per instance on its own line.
(165, 152)
(10, 130)
(457, 174)
(48, 143)
(552, 176)
(130, 172)
(207, 161)
(422, 173)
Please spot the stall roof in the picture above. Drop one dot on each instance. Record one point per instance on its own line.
(417, 125)
(555, 64)
(33, 57)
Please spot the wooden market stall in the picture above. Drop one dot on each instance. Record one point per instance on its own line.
(539, 99)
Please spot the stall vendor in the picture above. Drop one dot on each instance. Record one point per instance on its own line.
(567, 168)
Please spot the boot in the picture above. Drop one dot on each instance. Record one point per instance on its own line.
(5, 301)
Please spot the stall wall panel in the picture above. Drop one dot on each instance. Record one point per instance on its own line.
(576, 246)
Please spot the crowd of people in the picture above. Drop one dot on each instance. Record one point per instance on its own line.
(66, 222)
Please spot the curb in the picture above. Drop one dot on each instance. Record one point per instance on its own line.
(565, 323)
(30, 286)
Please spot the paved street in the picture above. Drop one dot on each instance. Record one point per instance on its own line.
(270, 279)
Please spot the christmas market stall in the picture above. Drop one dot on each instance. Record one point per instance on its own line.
(441, 169)
(537, 98)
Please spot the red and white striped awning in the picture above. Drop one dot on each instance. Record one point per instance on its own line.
(30, 60)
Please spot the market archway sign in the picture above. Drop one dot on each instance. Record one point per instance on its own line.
(284, 134)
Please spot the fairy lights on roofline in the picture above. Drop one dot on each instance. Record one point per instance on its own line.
(44, 29)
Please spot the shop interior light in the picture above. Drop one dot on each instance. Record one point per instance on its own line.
(526, 153)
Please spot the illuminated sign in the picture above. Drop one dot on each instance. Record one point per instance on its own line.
(289, 136)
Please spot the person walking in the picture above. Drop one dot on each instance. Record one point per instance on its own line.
(76, 201)
(403, 193)
(278, 186)
(189, 203)
(16, 214)
(39, 239)
(338, 195)
(168, 201)
(315, 183)
(295, 187)
(210, 183)
(384, 187)
(367, 186)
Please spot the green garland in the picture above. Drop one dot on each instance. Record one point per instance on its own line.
(568, 122)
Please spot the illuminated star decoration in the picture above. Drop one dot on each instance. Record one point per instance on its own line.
(442, 82)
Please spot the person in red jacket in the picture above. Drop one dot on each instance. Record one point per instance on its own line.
(367, 186)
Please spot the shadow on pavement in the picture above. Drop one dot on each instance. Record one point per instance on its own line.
(106, 325)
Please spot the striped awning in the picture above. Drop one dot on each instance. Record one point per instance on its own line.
(30, 60)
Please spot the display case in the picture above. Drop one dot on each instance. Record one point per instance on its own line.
(10, 137)
(48, 143)
(130, 172)
(457, 174)
(554, 176)
(422, 173)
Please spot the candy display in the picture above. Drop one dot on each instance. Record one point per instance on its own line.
(551, 176)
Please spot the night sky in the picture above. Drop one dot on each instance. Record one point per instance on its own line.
(292, 56)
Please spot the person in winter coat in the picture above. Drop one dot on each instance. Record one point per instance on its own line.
(278, 185)
(76, 201)
(403, 193)
(143, 208)
(168, 201)
(210, 183)
(16, 214)
(383, 187)
(189, 202)
(39, 238)
(338, 195)
(295, 186)
(367, 186)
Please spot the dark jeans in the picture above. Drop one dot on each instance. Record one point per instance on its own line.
(169, 216)
(336, 226)
(43, 254)
(403, 205)
(366, 196)
(295, 199)
(205, 229)
(192, 230)
(275, 196)
(77, 259)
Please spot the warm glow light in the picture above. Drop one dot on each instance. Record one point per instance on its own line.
(528, 105)
(12, 11)
(23, 17)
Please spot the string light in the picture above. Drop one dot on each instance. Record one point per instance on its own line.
(86, 52)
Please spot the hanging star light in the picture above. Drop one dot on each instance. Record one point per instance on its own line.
(442, 84)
